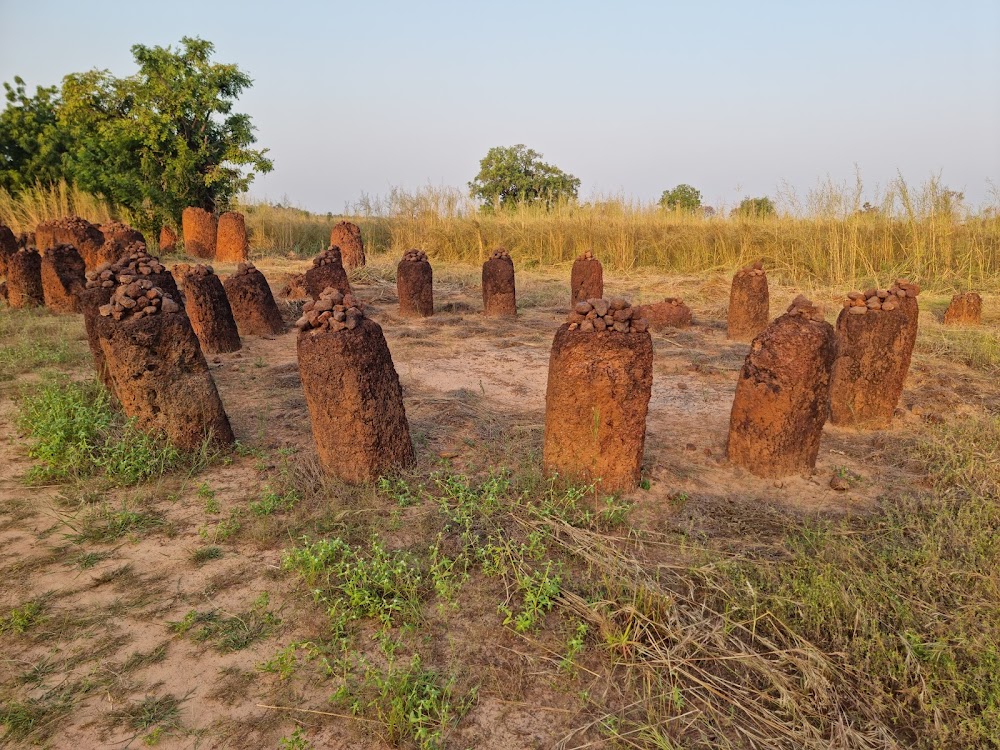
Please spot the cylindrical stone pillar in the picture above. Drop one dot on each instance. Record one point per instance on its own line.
(499, 297)
(80, 233)
(168, 241)
(964, 310)
(208, 308)
(63, 274)
(199, 228)
(415, 285)
(24, 279)
(586, 279)
(253, 305)
(90, 301)
(8, 246)
(231, 241)
(749, 304)
(347, 236)
(327, 271)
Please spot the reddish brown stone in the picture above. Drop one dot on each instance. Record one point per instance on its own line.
(8, 246)
(161, 378)
(347, 237)
(211, 315)
(90, 301)
(965, 309)
(873, 357)
(596, 401)
(80, 233)
(231, 244)
(253, 305)
(355, 402)
(749, 304)
(782, 397)
(295, 288)
(499, 297)
(327, 271)
(123, 233)
(24, 279)
(63, 275)
(199, 228)
(671, 313)
(586, 280)
(415, 285)
(168, 241)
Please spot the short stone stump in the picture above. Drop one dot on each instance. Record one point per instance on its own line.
(964, 310)
(327, 272)
(208, 308)
(671, 313)
(415, 285)
(499, 295)
(749, 304)
(24, 279)
(252, 303)
(63, 275)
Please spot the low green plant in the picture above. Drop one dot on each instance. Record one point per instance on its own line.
(539, 590)
(271, 502)
(21, 619)
(107, 523)
(203, 554)
(228, 633)
(295, 741)
(574, 645)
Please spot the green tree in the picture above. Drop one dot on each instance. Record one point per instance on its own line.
(681, 198)
(756, 208)
(516, 174)
(31, 143)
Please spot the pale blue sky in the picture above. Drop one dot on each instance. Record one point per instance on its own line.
(633, 97)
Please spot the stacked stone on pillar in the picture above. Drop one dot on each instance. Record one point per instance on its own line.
(783, 394)
(586, 279)
(415, 285)
(749, 303)
(327, 271)
(231, 239)
(24, 279)
(81, 234)
(347, 236)
(252, 303)
(499, 295)
(200, 229)
(63, 275)
(209, 311)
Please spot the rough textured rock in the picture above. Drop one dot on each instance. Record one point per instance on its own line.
(137, 263)
(90, 301)
(616, 315)
(295, 288)
(252, 303)
(355, 401)
(415, 285)
(168, 241)
(596, 401)
(80, 233)
(161, 378)
(782, 394)
(8, 246)
(123, 233)
(63, 276)
(24, 279)
(499, 297)
(671, 313)
(327, 271)
(586, 279)
(209, 310)
(199, 228)
(875, 336)
(749, 303)
(347, 237)
(231, 240)
(964, 309)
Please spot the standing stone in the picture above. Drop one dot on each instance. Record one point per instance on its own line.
(782, 396)
(162, 380)
(347, 236)
(596, 400)
(199, 228)
(24, 279)
(749, 303)
(499, 298)
(327, 271)
(415, 285)
(671, 313)
(208, 308)
(63, 275)
(586, 279)
(231, 243)
(168, 241)
(875, 338)
(90, 301)
(81, 234)
(965, 309)
(8, 246)
(252, 303)
(353, 393)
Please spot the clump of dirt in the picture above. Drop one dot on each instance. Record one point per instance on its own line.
(159, 371)
(352, 391)
(200, 229)
(347, 236)
(231, 240)
(616, 315)
(499, 297)
(876, 332)
(8, 246)
(749, 303)
(63, 275)
(168, 240)
(210, 312)
(586, 279)
(252, 303)
(327, 271)
(415, 285)
(24, 279)
(80, 233)
(596, 400)
(782, 395)
(964, 309)
(671, 313)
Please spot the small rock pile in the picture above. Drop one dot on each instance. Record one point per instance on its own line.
(604, 315)
(804, 307)
(589, 255)
(328, 257)
(501, 253)
(415, 256)
(137, 262)
(877, 300)
(138, 299)
(333, 311)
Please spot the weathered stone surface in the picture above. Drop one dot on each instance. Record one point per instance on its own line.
(200, 229)
(965, 310)
(415, 285)
(586, 279)
(90, 301)
(327, 271)
(499, 295)
(210, 312)
(347, 236)
(63, 276)
(24, 279)
(168, 241)
(671, 313)
(81, 234)
(8, 246)
(252, 303)
(749, 304)
(231, 240)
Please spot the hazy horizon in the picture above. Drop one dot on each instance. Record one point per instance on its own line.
(736, 100)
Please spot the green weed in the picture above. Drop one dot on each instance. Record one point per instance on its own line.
(21, 619)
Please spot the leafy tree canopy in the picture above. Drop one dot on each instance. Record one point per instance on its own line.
(516, 174)
(154, 142)
(756, 207)
(31, 143)
(681, 198)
